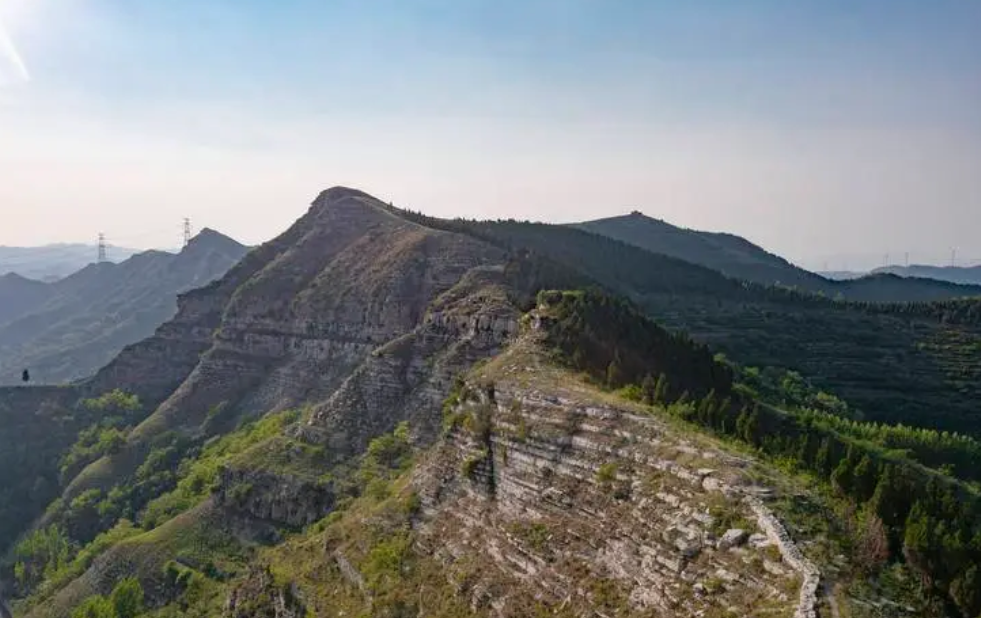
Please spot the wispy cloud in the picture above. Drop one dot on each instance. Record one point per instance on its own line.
(12, 57)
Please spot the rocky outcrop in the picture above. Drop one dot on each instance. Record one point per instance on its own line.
(349, 278)
(278, 498)
(353, 310)
(561, 490)
(260, 597)
(408, 378)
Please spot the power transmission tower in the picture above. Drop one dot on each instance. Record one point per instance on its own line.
(103, 257)
(187, 231)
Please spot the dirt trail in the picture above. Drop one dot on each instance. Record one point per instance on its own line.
(828, 592)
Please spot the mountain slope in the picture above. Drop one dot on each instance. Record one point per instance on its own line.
(968, 275)
(729, 254)
(82, 321)
(585, 457)
(911, 363)
(53, 262)
(544, 495)
(737, 257)
(19, 295)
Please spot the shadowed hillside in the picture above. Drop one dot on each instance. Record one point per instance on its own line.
(914, 363)
(76, 325)
(737, 257)
(53, 262)
(970, 275)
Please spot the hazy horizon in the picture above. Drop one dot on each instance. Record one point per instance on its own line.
(830, 135)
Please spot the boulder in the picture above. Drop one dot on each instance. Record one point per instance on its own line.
(732, 538)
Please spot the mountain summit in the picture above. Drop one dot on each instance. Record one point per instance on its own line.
(739, 258)
(727, 253)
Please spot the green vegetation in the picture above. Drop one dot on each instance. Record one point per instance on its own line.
(607, 473)
(932, 522)
(40, 555)
(911, 363)
(607, 338)
(126, 601)
(94, 442)
(197, 475)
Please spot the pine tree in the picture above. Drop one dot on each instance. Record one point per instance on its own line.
(614, 372)
(864, 479)
(917, 543)
(661, 390)
(648, 389)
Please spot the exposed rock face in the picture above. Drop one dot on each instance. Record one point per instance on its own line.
(277, 498)
(408, 378)
(259, 597)
(807, 604)
(356, 312)
(346, 279)
(558, 496)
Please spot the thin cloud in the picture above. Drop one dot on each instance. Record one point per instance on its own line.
(8, 51)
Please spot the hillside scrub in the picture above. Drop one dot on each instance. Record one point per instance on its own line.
(932, 521)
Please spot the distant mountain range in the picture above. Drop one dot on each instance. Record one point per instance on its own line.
(955, 274)
(964, 275)
(738, 258)
(67, 329)
(56, 261)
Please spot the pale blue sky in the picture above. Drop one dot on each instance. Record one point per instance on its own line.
(813, 128)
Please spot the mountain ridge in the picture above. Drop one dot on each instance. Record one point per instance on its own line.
(277, 415)
(79, 322)
(739, 258)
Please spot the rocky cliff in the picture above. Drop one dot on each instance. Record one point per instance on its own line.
(551, 493)
(354, 312)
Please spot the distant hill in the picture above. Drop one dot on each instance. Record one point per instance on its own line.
(67, 329)
(18, 295)
(737, 257)
(53, 262)
(841, 275)
(970, 275)
(727, 253)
